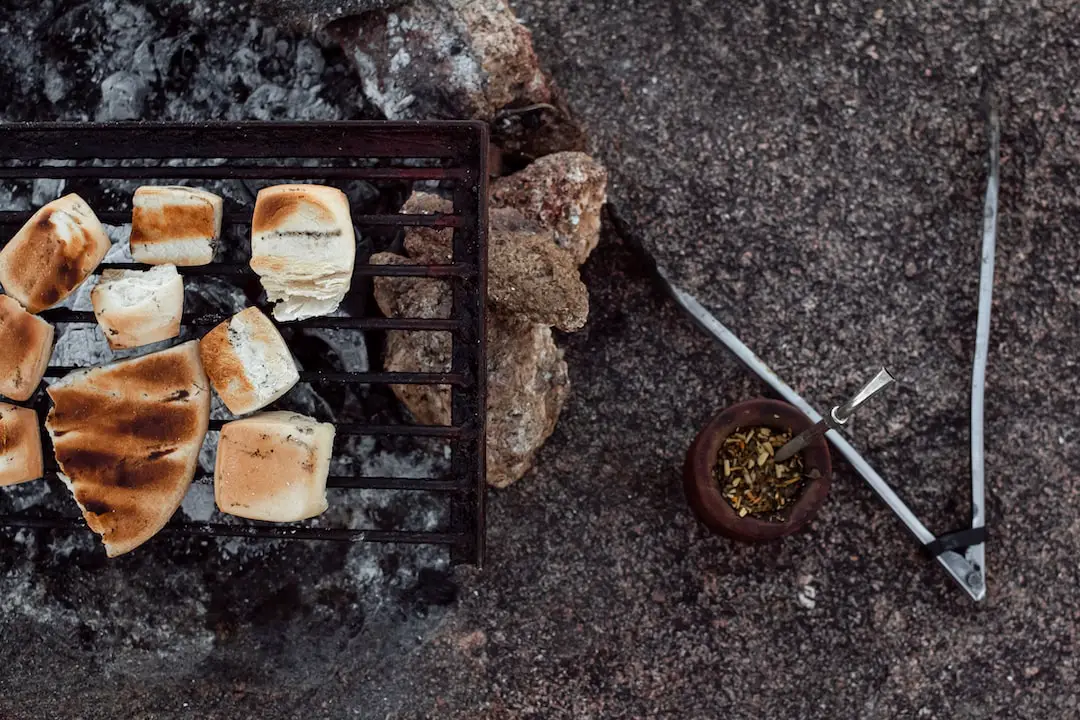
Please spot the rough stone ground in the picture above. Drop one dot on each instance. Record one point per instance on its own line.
(820, 137)
(814, 172)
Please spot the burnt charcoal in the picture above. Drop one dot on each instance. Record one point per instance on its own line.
(434, 588)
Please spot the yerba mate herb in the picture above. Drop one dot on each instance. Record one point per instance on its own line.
(751, 481)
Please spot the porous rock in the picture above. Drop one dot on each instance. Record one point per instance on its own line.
(416, 351)
(528, 274)
(408, 296)
(443, 59)
(424, 244)
(530, 277)
(528, 383)
(562, 192)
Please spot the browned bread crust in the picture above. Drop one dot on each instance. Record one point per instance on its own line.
(245, 347)
(127, 436)
(177, 225)
(25, 347)
(20, 445)
(53, 253)
(273, 467)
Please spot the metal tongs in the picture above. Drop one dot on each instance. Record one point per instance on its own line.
(961, 553)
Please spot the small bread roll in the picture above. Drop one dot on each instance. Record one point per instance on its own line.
(20, 445)
(25, 348)
(53, 253)
(139, 307)
(248, 362)
(273, 466)
(175, 225)
(303, 247)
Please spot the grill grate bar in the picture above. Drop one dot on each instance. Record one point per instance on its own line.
(349, 482)
(360, 378)
(273, 532)
(243, 270)
(64, 315)
(376, 483)
(232, 172)
(447, 432)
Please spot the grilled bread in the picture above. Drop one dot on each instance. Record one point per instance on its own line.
(127, 438)
(273, 466)
(20, 445)
(53, 253)
(25, 347)
(175, 225)
(303, 247)
(248, 362)
(137, 307)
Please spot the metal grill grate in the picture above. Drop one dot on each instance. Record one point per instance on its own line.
(452, 153)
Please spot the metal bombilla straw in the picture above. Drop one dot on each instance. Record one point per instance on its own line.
(837, 418)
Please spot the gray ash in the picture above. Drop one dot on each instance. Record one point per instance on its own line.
(170, 61)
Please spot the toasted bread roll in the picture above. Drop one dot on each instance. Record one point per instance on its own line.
(20, 445)
(127, 438)
(303, 247)
(25, 347)
(175, 225)
(273, 466)
(137, 307)
(248, 362)
(53, 253)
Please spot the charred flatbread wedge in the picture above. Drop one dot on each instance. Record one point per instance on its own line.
(127, 438)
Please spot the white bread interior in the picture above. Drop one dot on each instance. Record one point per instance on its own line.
(139, 307)
(20, 445)
(127, 438)
(53, 253)
(25, 348)
(175, 225)
(248, 362)
(303, 247)
(273, 466)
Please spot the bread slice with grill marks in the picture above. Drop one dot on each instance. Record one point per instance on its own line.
(127, 438)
